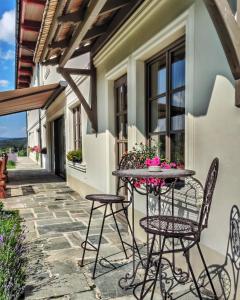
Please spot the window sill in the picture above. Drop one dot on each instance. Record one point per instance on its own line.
(78, 166)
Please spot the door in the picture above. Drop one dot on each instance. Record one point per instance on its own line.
(59, 146)
(121, 117)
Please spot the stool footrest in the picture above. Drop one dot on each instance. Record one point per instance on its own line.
(84, 246)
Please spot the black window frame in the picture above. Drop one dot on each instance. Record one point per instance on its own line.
(166, 52)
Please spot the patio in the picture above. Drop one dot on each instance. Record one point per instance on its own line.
(56, 219)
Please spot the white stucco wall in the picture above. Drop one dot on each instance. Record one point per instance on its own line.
(212, 120)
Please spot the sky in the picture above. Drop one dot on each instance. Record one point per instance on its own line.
(12, 125)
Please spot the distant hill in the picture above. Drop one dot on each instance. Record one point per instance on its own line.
(19, 143)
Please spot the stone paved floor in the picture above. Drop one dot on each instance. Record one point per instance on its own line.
(56, 219)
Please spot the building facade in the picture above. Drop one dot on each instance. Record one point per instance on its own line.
(162, 76)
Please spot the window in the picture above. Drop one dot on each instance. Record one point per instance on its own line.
(77, 132)
(166, 101)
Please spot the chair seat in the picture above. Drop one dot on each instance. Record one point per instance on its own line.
(169, 226)
(105, 198)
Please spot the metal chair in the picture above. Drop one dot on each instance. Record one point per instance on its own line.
(185, 230)
(106, 201)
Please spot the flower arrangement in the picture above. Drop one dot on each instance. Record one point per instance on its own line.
(12, 255)
(147, 157)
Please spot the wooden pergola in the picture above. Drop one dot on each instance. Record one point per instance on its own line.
(29, 19)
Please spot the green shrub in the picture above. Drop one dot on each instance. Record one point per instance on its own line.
(12, 255)
(74, 156)
(11, 164)
(22, 152)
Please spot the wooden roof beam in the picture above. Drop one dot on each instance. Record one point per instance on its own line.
(113, 5)
(91, 14)
(94, 32)
(24, 78)
(54, 61)
(73, 71)
(25, 71)
(73, 17)
(29, 45)
(29, 25)
(59, 44)
(37, 2)
(228, 29)
(26, 60)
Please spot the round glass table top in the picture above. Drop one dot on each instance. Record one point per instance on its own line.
(145, 173)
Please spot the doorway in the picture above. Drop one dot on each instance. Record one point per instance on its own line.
(59, 146)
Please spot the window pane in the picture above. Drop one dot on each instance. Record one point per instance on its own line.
(158, 78)
(177, 147)
(122, 127)
(177, 111)
(178, 68)
(158, 115)
(160, 141)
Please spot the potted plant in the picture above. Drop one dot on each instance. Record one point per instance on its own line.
(75, 156)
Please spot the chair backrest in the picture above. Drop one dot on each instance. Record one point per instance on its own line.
(208, 193)
(129, 160)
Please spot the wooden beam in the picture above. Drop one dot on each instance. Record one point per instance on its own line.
(228, 30)
(113, 5)
(94, 32)
(238, 11)
(37, 2)
(59, 44)
(80, 96)
(25, 71)
(82, 50)
(86, 72)
(24, 78)
(31, 25)
(73, 17)
(28, 45)
(237, 92)
(26, 60)
(122, 15)
(55, 61)
(91, 14)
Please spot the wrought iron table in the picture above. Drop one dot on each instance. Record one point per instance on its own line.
(131, 176)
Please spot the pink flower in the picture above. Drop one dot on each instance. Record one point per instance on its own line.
(148, 162)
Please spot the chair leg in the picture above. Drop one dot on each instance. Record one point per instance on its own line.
(130, 228)
(99, 242)
(206, 269)
(119, 233)
(88, 229)
(147, 268)
(190, 269)
(158, 268)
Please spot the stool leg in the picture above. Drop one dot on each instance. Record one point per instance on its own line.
(88, 229)
(191, 270)
(147, 268)
(130, 228)
(158, 268)
(206, 269)
(99, 242)
(119, 233)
